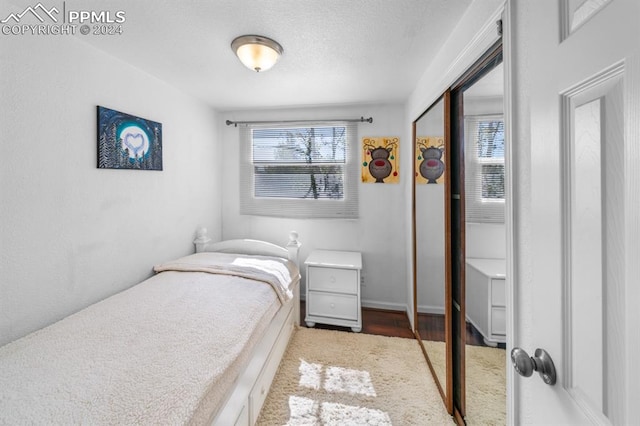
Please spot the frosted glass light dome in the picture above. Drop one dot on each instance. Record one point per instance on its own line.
(257, 53)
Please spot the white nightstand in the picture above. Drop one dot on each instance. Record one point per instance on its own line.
(333, 288)
(486, 298)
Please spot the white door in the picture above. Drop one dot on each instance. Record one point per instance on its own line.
(575, 170)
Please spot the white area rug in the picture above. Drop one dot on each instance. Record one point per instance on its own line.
(338, 378)
(486, 381)
(486, 386)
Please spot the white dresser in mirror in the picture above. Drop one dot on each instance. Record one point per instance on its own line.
(486, 299)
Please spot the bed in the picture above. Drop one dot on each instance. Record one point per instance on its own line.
(197, 343)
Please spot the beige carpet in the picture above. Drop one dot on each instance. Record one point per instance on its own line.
(339, 378)
(486, 382)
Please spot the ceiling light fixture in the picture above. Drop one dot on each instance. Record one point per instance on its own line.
(257, 53)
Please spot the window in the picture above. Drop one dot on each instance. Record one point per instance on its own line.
(302, 171)
(484, 171)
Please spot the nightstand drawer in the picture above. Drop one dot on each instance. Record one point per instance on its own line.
(333, 305)
(333, 280)
(498, 296)
(498, 321)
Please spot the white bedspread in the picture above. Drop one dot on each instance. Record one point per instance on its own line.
(163, 352)
(272, 270)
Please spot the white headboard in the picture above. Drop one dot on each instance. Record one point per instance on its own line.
(247, 246)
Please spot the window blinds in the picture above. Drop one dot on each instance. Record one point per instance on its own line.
(484, 169)
(304, 171)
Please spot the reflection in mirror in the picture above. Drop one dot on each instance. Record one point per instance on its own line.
(429, 140)
(485, 250)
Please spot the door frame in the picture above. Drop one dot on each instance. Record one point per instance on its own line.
(511, 172)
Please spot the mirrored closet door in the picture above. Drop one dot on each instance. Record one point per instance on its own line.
(431, 224)
(485, 245)
(460, 245)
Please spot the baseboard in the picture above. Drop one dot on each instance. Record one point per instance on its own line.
(439, 310)
(384, 305)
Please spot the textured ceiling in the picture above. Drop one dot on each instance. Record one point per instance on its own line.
(335, 51)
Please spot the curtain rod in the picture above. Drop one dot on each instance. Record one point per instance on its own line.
(351, 120)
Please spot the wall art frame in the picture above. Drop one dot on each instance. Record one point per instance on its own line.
(128, 142)
(380, 159)
(430, 160)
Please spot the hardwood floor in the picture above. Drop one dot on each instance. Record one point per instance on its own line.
(431, 327)
(374, 321)
(396, 324)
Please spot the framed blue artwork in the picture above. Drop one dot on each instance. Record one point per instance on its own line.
(128, 142)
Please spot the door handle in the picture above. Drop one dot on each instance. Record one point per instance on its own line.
(541, 362)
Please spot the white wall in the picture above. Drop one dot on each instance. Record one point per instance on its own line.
(430, 240)
(72, 234)
(379, 233)
(486, 240)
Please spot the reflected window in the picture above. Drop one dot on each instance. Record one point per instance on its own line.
(489, 156)
(484, 169)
